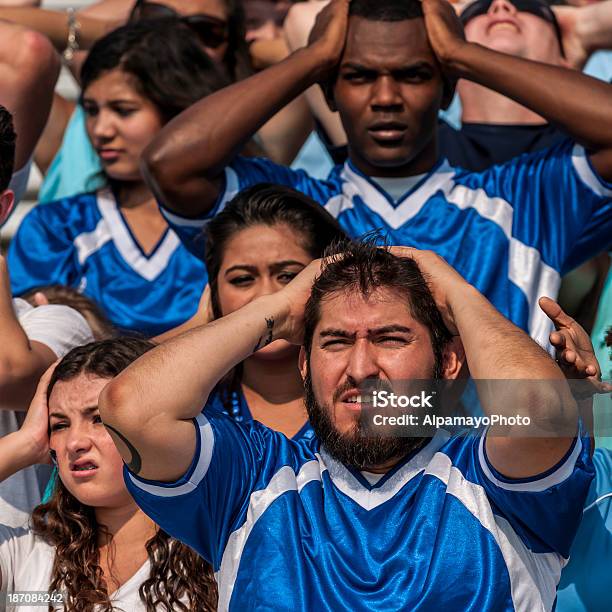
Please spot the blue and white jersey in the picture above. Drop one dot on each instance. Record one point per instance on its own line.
(585, 582)
(287, 527)
(84, 242)
(511, 230)
(237, 407)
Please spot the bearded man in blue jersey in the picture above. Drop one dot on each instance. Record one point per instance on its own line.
(355, 519)
(388, 66)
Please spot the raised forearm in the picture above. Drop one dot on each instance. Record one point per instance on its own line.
(21, 362)
(15, 349)
(54, 25)
(148, 407)
(15, 454)
(576, 103)
(176, 378)
(29, 67)
(518, 381)
(185, 161)
(496, 348)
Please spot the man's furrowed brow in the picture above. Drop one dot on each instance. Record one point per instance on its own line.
(337, 333)
(417, 64)
(356, 66)
(390, 329)
(85, 411)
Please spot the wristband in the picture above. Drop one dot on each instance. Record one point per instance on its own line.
(72, 43)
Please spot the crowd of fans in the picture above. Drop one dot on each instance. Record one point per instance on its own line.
(255, 212)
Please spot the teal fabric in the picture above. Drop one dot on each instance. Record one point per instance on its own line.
(50, 486)
(76, 167)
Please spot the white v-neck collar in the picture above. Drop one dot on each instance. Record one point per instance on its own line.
(370, 498)
(398, 213)
(133, 583)
(148, 267)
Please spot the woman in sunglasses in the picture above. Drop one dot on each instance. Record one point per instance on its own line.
(112, 243)
(219, 25)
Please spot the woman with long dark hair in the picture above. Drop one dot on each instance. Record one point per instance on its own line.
(262, 240)
(90, 547)
(113, 244)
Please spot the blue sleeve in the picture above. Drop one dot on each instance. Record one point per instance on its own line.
(245, 172)
(544, 511)
(553, 206)
(42, 252)
(210, 501)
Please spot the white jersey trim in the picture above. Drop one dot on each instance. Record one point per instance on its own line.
(284, 480)
(149, 268)
(182, 221)
(533, 576)
(563, 472)
(585, 172)
(207, 443)
(535, 279)
(88, 243)
(526, 270)
(494, 209)
(408, 207)
(231, 190)
(369, 499)
(343, 201)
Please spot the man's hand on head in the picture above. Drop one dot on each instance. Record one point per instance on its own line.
(445, 33)
(573, 46)
(328, 36)
(295, 295)
(443, 280)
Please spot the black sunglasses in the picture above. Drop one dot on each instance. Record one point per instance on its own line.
(212, 31)
(535, 7)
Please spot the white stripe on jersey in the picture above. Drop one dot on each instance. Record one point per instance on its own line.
(207, 443)
(585, 172)
(535, 486)
(284, 480)
(535, 279)
(88, 243)
(525, 266)
(528, 571)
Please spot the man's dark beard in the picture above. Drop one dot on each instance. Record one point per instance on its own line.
(356, 449)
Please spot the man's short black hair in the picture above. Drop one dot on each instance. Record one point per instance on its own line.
(386, 10)
(7, 148)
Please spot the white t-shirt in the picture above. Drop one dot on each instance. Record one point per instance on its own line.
(61, 329)
(26, 562)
